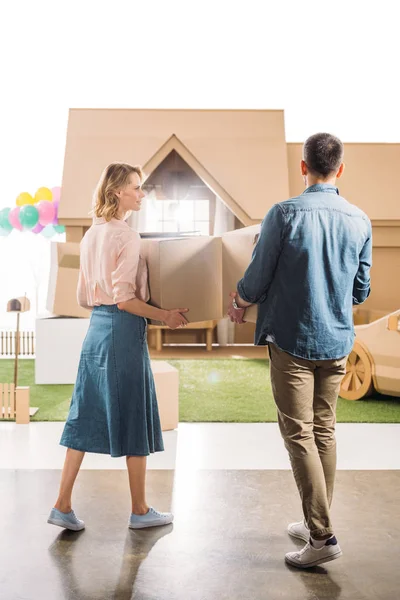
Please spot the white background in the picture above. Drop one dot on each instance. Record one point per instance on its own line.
(331, 66)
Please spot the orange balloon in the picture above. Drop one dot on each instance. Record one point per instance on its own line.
(24, 198)
(43, 193)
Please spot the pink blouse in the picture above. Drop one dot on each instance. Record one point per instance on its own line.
(111, 268)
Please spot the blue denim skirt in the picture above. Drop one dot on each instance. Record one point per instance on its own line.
(114, 405)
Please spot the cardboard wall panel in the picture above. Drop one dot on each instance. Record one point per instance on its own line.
(370, 178)
(385, 280)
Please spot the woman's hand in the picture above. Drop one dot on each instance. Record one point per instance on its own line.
(174, 318)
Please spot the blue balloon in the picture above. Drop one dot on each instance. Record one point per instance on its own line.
(48, 231)
(4, 222)
(4, 232)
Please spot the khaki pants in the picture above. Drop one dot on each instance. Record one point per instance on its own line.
(305, 393)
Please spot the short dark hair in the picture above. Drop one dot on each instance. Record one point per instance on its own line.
(323, 154)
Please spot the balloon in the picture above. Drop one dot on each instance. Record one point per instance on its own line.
(38, 228)
(55, 220)
(4, 232)
(46, 212)
(59, 228)
(24, 198)
(13, 217)
(48, 231)
(56, 191)
(4, 222)
(28, 216)
(43, 193)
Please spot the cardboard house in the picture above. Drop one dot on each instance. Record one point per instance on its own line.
(242, 158)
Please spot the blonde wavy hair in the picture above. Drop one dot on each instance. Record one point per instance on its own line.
(113, 178)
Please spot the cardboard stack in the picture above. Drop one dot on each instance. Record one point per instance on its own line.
(63, 281)
(189, 272)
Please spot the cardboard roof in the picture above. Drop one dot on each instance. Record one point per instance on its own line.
(240, 154)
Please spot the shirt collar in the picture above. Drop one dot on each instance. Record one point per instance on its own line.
(101, 221)
(322, 187)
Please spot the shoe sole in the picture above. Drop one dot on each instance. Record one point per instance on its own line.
(146, 525)
(60, 523)
(298, 536)
(315, 563)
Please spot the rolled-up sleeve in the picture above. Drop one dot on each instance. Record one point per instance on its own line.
(123, 278)
(81, 293)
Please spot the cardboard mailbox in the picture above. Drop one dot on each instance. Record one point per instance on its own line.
(237, 248)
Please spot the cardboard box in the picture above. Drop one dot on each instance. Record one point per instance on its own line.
(237, 248)
(186, 273)
(166, 381)
(63, 281)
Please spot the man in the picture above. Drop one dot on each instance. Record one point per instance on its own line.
(310, 265)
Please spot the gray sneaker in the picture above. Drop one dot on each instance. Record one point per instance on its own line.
(152, 518)
(299, 530)
(67, 520)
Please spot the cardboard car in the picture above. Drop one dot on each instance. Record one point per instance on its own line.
(374, 363)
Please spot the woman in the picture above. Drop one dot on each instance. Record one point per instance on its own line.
(114, 405)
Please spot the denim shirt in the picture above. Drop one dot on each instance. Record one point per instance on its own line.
(310, 265)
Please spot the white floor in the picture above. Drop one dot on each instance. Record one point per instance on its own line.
(205, 446)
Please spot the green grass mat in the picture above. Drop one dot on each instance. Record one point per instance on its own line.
(222, 390)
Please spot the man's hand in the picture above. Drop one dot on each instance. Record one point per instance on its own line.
(236, 314)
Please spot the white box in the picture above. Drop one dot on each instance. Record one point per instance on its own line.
(58, 347)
